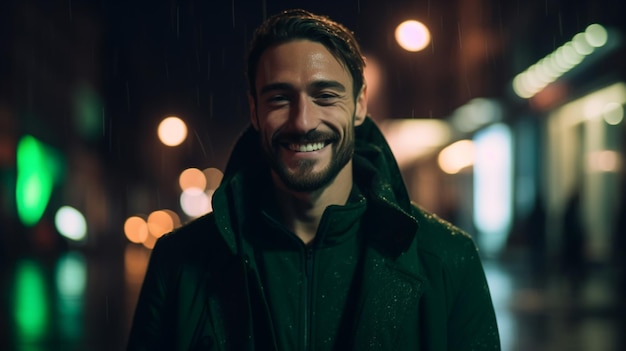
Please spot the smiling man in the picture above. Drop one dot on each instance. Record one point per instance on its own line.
(313, 243)
(305, 112)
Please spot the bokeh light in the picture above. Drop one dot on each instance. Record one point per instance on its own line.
(149, 242)
(71, 223)
(159, 223)
(172, 131)
(135, 264)
(38, 169)
(457, 156)
(71, 275)
(613, 113)
(603, 161)
(88, 115)
(192, 178)
(596, 35)
(31, 305)
(195, 202)
(412, 35)
(71, 283)
(493, 190)
(213, 178)
(565, 58)
(411, 139)
(136, 229)
(174, 216)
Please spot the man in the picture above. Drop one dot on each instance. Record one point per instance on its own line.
(313, 243)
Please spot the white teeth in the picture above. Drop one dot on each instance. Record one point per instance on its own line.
(306, 147)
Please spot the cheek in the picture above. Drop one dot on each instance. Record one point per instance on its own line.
(274, 119)
(268, 126)
(266, 140)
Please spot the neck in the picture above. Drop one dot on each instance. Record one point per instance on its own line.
(301, 212)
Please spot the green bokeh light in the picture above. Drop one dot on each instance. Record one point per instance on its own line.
(88, 110)
(38, 169)
(31, 307)
(71, 281)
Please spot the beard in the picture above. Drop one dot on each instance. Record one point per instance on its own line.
(304, 178)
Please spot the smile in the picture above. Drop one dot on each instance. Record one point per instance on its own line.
(308, 147)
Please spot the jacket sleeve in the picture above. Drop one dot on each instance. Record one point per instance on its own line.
(471, 317)
(148, 327)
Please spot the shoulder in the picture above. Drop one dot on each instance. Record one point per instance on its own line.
(187, 243)
(440, 238)
(450, 258)
(190, 233)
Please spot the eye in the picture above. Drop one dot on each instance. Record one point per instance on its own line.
(326, 98)
(277, 100)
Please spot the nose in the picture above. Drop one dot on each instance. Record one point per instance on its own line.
(302, 115)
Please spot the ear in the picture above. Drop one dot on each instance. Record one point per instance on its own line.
(361, 106)
(253, 115)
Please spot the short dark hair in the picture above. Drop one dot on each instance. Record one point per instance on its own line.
(300, 24)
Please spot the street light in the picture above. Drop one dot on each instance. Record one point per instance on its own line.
(412, 35)
(172, 131)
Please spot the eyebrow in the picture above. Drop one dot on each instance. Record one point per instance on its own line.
(317, 85)
(275, 86)
(324, 84)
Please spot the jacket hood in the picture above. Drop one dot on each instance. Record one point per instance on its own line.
(376, 174)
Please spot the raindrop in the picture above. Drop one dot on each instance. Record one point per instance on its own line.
(197, 59)
(200, 142)
(127, 96)
(103, 122)
(211, 106)
(167, 68)
(208, 66)
(233, 11)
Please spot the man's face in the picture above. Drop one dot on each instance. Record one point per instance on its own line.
(305, 113)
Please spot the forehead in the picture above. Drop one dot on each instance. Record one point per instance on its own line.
(298, 62)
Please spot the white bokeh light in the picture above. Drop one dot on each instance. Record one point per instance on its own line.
(70, 223)
(172, 131)
(412, 35)
(195, 202)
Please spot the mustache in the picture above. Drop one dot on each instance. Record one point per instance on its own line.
(308, 137)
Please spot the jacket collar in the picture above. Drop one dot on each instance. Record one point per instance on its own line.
(375, 170)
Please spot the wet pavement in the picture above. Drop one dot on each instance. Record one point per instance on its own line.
(80, 300)
(551, 311)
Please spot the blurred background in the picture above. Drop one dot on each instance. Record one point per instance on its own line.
(506, 117)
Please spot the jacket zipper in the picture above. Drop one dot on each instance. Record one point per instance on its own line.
(308, 297)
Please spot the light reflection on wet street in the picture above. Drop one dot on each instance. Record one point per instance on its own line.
(72, 301)
(549, 312)
(84, 301)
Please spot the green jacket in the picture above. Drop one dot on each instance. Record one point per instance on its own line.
(418, 282)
